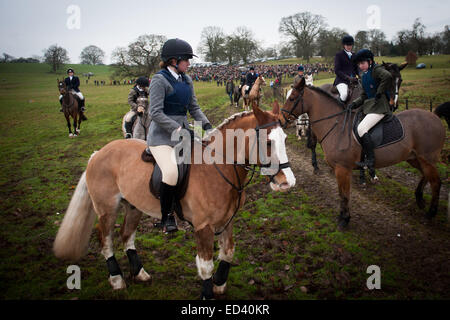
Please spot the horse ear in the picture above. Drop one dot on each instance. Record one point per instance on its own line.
(384, 63)
(403, 65)
(276, 108)
(259, 114)
(300, 84)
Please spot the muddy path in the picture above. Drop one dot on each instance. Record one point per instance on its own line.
(421, 248)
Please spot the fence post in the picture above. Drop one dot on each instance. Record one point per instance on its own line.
(406, 105)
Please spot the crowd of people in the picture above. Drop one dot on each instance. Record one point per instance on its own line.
(220, 74)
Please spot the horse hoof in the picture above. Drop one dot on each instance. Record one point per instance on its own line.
(70, 135)
(343, 223)
(143, 276)
(219, 289)
(117, 282)
(421, 203)
(316, 171)
(374, 179)
(431, 213)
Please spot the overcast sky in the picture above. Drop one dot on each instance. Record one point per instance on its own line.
(29, 26)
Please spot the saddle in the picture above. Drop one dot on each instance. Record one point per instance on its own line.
(387, 131)
(156, 178)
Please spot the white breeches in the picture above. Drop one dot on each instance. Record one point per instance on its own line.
(368, 122)
(79, 94)
(165, 157)
(343, 90)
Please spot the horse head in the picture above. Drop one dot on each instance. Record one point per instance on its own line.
(61, 87)
(281, 176)
(394, 88)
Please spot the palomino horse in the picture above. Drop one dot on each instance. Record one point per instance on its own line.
(142, 121)
(254, 94)
(214, 194)
(424, 137)
(70, 109)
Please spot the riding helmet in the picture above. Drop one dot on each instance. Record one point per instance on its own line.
(363, 55)
(301, 68)
(142, 82)
(252, 68)
(178, 49)
(70, 70)
(348, 40)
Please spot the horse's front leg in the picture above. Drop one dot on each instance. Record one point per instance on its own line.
(312, 144)
(128, 233)
(343, 177)
(75, 125)
(69, 125)
(204, 260)
(226, 245)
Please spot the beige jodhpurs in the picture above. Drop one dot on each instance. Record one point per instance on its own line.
(165, 157)
(368, 122)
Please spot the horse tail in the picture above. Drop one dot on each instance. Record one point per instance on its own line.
(444, 111)
(73, 235)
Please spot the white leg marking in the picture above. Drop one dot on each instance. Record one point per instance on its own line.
(107, 249)
(204, 268)
(143, 276)
(130, 242)
(224, 256)
(117, 282)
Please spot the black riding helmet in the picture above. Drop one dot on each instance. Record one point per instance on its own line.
(363, 55)
(142, 82)
(178, 49)
(348, 40)
(70, 70)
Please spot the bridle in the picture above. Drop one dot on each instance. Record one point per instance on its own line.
(291, 116)
(240, 187)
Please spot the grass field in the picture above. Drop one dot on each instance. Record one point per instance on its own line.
(287, 245)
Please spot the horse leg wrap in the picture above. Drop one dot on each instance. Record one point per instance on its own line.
(135, 262)
(113, 266)
(207, 289)
(221, 275)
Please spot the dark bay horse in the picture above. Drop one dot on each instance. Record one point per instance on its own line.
(71, 109)
(215, 192)
(424, 136)
(353, 93)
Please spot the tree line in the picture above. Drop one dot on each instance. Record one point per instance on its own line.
(307, 35)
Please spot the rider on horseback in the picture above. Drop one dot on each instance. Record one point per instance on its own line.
(345, 70)
(374, 101)
(300, 74)
(250, 79)
(73, 83)
(171, 96)
(140, 89)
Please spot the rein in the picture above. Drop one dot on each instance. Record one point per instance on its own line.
(291, 114)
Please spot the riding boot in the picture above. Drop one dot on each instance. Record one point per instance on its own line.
(167, 197)
(368, 149)
(128, 129)
(60, 101)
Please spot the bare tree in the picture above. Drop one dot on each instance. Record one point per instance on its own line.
(246, 45)
(329, 42)
(56, 57)
(361, 40)
(212, 43)
(378, 43)
(92, 55)
(7, 57)
(302, 28)
(140, 58)
(231, 50)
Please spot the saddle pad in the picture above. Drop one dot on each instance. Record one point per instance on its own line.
(388, 131)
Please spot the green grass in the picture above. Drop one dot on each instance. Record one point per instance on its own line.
(41, 167)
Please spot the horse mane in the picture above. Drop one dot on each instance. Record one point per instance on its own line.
(326, 94)
(228, 120)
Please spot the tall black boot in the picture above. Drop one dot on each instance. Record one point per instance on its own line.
(167, 197)
(368, 149)
(129, 129)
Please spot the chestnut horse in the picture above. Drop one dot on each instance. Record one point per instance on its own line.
(424, 136)
(214, 194)
(254, 94)
(70, 109)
